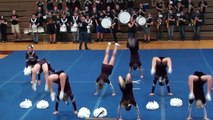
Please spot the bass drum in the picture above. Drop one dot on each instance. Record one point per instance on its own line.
(124, 17)
(141, 20)
(34, 29)
(40, 30)
(63, 28)
(74, 28)
(106, 22)
(27, 31)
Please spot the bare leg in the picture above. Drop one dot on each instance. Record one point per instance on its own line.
(138, 112)
(62, 78)
(46, 74)
(208, 78)
(35, 69)
(191, 79)
(112, 88)
(169, 63)
(96, 90)
(205, 113)
(106, 57)
(154, 62)
(52, 78)
(119, 112)
(189, 112)
(112, 60)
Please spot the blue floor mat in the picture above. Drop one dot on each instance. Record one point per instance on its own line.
(83, 67)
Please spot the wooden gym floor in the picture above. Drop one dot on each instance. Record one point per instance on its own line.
(6, 48)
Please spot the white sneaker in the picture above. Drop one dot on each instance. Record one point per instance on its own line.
(46, 88)
(52, 96)
(109, 43)
(191, 96)
(34, 86)
(117, 44)
(208, 97)
(152, 71)
(61, 95)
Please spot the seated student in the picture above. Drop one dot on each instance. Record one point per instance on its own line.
(128, 99)
(64, 89)
(41, 66)
(134, 57)
(159, 70)
(196, 83)
(106, 69)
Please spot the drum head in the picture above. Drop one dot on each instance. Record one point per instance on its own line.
(106, 22)
(40, 30)
(124, 17)
(141, 21)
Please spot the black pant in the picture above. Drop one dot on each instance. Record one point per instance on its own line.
(4, 34)
(114, 33)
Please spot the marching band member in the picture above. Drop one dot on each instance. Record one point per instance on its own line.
(99, 28)
(90, 23)
(75, 31)
(191, 12)
(160, 6)
(3, 24)
(182, 23)
(83, 33)
(141, 10)
(15, 24)
(202, 7)
(59, 5)
(170, 24)
(34, 23)
(149, 23)
(63, 28)
(50, 6)
(159, 25)
(197, 25)
(51, 30)
(114, 28)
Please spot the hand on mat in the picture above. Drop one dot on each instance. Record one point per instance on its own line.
(188, 118)
(75, 112)
(206, 118)
(55, 113)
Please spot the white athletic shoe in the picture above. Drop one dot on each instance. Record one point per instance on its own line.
(61, 95)
(52, 96)
(191, 96)
(170, 70)
(208, 97)
(117, 44)
(34, 86)
(206, 119)
(109, 43)
(46, 88)
(152, 71)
